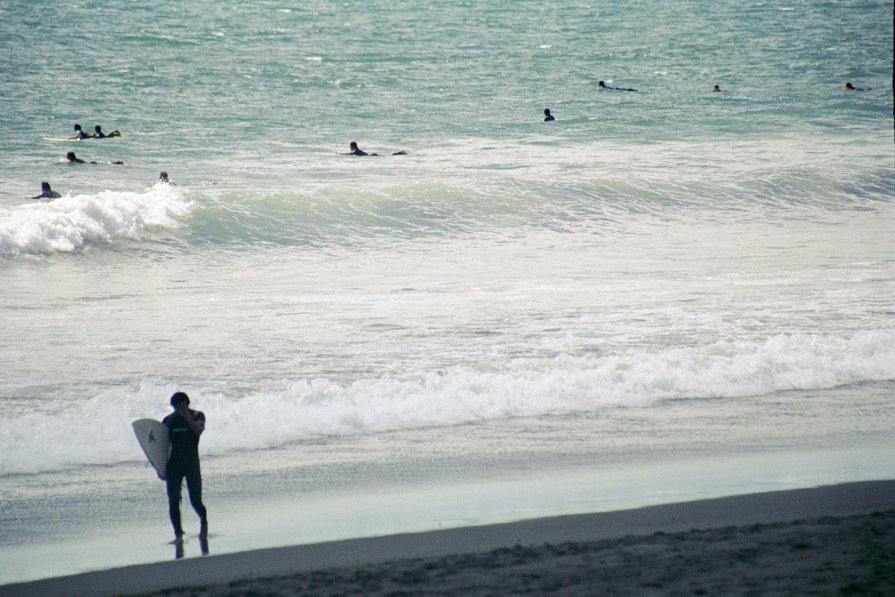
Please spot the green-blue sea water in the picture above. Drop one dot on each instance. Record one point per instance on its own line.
(663, 294)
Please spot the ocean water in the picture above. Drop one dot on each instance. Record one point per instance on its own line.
(664, 294)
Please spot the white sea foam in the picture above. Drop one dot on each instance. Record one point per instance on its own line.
(35, 442)
(71, 222)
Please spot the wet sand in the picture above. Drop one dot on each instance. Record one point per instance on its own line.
(827, 540)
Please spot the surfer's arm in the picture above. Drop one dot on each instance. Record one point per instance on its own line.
(197, 426)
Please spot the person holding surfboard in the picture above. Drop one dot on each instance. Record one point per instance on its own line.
(185, 426)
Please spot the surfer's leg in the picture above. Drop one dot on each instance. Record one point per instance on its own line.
(194, 485)
(174, 483)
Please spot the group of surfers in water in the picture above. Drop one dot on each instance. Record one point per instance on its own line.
(548, 117)
(353, 149)
(97, 133)
(46, 192)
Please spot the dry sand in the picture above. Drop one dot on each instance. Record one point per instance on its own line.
(836, 540)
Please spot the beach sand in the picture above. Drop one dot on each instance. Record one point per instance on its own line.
(834, 540)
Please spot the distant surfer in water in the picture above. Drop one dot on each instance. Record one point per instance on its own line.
(163, 178)
(79, 133)
(548, 117)
(603, 85)
(353, 149)
(185, 426)
(73, 159)
(99, 134)
(716, 89)
(47, 192)
(850, 87)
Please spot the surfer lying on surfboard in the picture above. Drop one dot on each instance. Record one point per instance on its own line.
(97, 133)
(353, 149)
(603, 85)
(79, 133)
(73, 159)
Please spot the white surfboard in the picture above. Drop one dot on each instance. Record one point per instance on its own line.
(153, 438)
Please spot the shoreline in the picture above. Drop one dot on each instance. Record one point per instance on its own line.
(826, 509)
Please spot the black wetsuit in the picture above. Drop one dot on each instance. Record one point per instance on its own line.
(184, 462)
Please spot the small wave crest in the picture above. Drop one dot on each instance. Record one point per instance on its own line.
(40, 441)
(68, 224)
(460, 204)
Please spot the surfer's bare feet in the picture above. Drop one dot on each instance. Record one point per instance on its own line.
(178, 546)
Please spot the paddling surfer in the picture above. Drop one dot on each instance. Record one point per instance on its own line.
(46, 192)
(99, 134)
(603, 85)
(185, 426)
(353, 149)
(80, 134)
(73, 159)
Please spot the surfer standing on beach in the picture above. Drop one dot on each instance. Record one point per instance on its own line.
(184, 428)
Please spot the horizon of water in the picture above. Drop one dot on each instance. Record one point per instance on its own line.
(664, 294)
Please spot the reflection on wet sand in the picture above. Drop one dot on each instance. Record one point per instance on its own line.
(178, 546)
